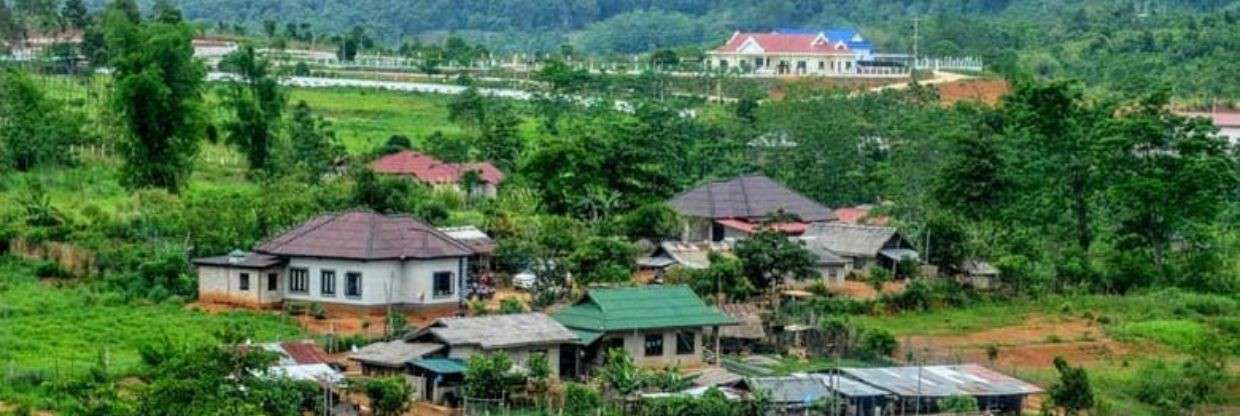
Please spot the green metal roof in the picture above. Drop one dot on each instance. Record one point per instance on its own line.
(646, 307)
(587, 336)
(441, 365)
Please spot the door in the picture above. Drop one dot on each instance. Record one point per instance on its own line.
(568, 362)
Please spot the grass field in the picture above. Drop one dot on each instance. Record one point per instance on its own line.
(65, 326)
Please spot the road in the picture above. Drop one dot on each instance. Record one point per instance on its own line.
(940, 77)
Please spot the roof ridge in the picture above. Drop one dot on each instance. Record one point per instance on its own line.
(370, 236)
(745, 195)
(333, 216)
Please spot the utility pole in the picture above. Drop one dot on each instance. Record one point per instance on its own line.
(916, 36)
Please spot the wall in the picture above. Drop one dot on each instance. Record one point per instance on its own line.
(831, 64)
(383, 282)
(223, 285)
(635, 344)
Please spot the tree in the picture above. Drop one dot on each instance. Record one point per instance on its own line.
(581, 400)
(769, 257)
(877, 278)
(313, 147)
(1072, 393)
(1154, 156)
(654, 221)
(73, 13)
(382, 194)
(269, 28)
(468, 109)
(603, 260)
(878, 343)
(389, 396)
(158, 98)
(164, 12)
(128, 8)
(257, 103)
(972, 181)
(34, 129)
(499, 142)
(491, 376)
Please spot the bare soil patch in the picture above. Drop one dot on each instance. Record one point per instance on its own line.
(986, 91)
(1033, 344)
(863, 291)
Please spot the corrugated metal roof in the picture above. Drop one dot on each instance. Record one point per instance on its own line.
(441, 365)
(848, 239)
(393, 353)
(942, 381)
(499, 331)
(749, 318)
(790, 389)
(240, 259)
(643, 307)
(849, 387)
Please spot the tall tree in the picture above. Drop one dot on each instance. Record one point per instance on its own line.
(34, 129)
(313, 146)
(257, 104)
(1168, 178)
(158, 97)
(1072, 393)
(1057, 133)
(499, 141)
(164, 12)
(768, 257)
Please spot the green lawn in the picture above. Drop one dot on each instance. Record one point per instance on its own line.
(63, 328)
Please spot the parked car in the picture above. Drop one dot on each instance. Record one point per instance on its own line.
(524, 280)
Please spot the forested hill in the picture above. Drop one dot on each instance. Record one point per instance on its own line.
(1185, 44)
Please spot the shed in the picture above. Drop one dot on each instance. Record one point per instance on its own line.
(863, 245)
(928, 384)
(978, 273)
(391, 357)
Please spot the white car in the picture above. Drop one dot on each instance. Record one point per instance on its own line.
(524, 280)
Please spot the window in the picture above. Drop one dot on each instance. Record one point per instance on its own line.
(723, 63)
(685, 342)
(353, 284)
(443, 284)
(654, 345)
(298, 280)
(327, 283)
(273, 282)
(245, 281)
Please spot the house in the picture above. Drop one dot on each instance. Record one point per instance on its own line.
(862, 246)
(795, 394)
(431, 171)
(481, 263)
(355, 259)
(389, 358)
(657, 325)
(303, 361)
(850, 36)
(1228, 123)
(736, 208)
(978, 274)
(674, 253)
(922, 387)
(777, 53)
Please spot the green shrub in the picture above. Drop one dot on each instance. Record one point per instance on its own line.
(318, 311)
(48, 269)
(1177, 333)
(958, 404)
(878, 343)
(581, 400)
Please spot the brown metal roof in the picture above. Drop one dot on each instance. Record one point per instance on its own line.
(753, 196)
(364, 235)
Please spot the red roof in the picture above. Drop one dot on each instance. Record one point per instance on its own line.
(859, 215)
(791, 228)
(430, 170)
(1220, 118)
(305, 353)
(785, 43)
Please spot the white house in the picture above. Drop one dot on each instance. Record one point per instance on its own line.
(776, 53)
(355, 259)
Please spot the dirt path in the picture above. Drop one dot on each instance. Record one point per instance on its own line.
(940, 77)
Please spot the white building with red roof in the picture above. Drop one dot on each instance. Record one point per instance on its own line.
(785, 54)
(433, 172)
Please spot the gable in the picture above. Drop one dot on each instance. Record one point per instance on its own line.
(751, 46)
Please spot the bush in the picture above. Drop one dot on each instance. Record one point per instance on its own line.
(581, 400)
(878, 343)
(318, 311)
(50, 270)
(958, 404)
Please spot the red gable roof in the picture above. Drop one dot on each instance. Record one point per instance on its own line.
(785, 43)
(305, 353)
(430, 170)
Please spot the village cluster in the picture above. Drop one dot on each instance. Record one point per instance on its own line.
(363, 261)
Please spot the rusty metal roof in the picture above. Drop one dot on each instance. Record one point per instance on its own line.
(942, 381)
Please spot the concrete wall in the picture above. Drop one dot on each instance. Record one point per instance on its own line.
(814, 64)
(635, 344)
(383, 282)
(223, 285)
